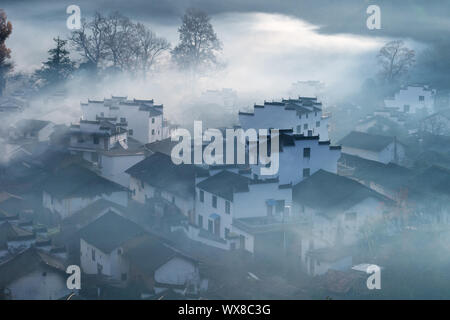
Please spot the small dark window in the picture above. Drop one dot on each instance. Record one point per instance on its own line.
(202, 196)
(299, 129)
(122, 120)
(306, 172)
(227, 231)
(317, 124)
(421, 98)
(214, 201)
(130, 132)
(306, 116)
(96, 140)
(305, 126)
(200, 221)
(93, 255)
(306, 152)
(406, 108)
(227, 207)
(210, 226)
(153, 132)
(153, 120)
(315, 113)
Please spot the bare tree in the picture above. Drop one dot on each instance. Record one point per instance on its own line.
(149, 48)
(91, 41)
(198, 42)
(395, 60)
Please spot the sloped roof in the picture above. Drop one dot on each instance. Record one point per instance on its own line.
(224, 184)
(159, 171)
(149, 254)
(89, 213)
(390, 175)
(110, 231)
(327, 191)
(26, 262)
(76, 181)
(366, 141)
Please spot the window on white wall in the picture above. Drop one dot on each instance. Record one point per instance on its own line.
(202, 196)
(227, 207)
(214, 201)
(306, 172)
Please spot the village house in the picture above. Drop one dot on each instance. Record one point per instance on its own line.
(384, 149)
(73, 188)
(158, 177)
(118, 249)
(390, 180)
(227, 202)
(300, 156)
(156, 267)
(113, 162)
(302, 115)
(337, 220)
(413, 99)
(143, 119)
(88, 138)
(33, 275)
(37, 130)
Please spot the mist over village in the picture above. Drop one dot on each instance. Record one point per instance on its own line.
(234, 150)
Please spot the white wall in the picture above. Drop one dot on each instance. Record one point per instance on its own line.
(114, 264)
(177, 271)
(36, 286)
(384, 156)
(410, 96)
(113, 167)
(273, 116)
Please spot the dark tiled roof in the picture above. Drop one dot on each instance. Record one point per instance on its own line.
(26, 262)
(331, 192)
(159, 171)
(224, 184)
(149, 254)
(389, 175)
(110, 231)
(366, 141)
(75, 181)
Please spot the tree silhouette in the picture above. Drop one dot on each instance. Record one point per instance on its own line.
(5, 53)
(198, 45)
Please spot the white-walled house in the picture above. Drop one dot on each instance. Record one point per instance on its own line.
(227, 202)
(33, 275)
(413, 99)
(143, 119)
(88, 138)
(384, 149)
(102, 246)
(337, 210)
(74, 188)
(302, 115)
(157, 267)
(39, 130)
(114, 162)
(158, 177)
(119, 249)
(300, 156)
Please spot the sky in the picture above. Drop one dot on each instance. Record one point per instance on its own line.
(268, 44)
